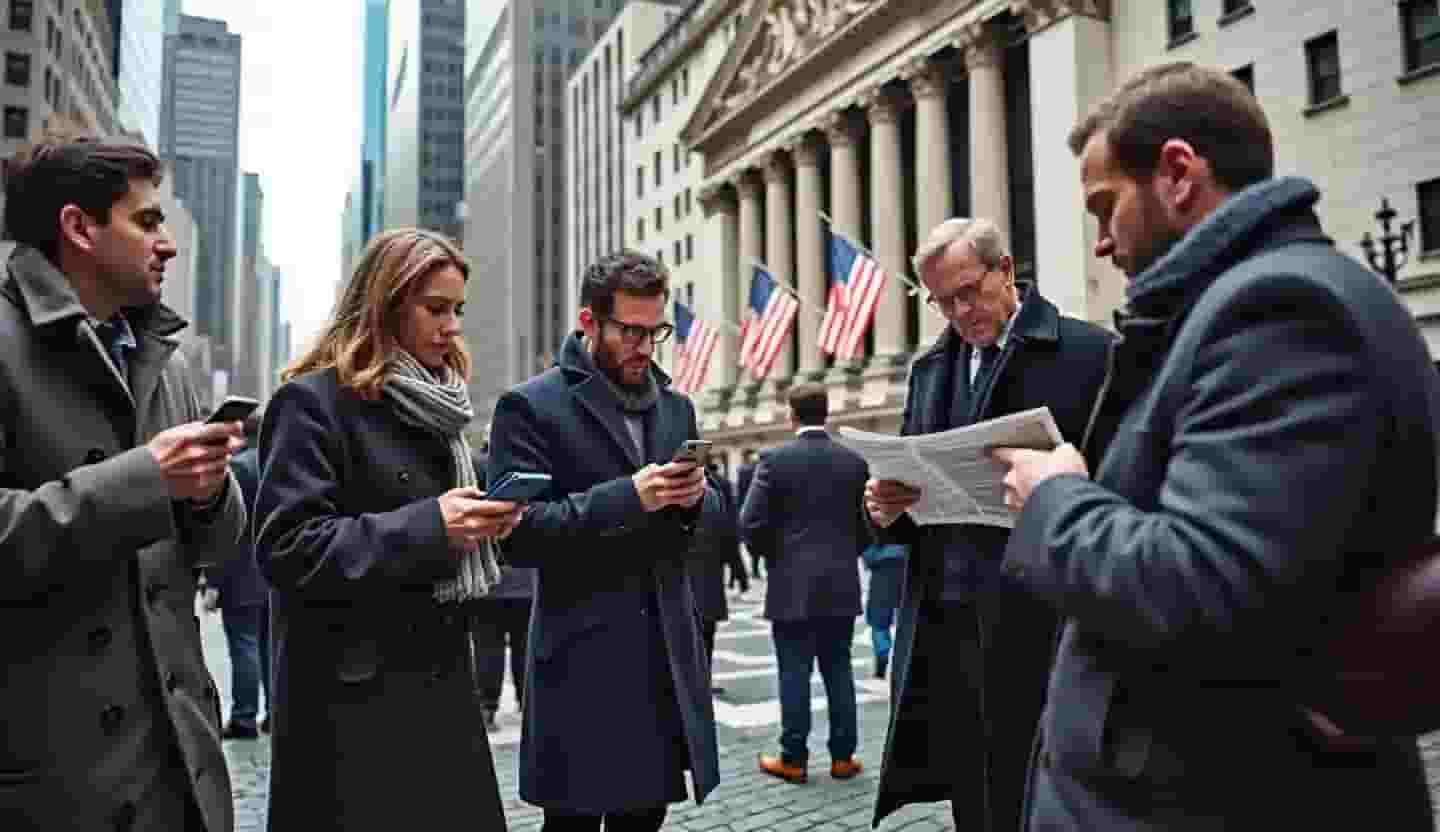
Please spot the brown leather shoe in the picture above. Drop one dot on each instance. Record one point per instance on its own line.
(776, 767)
(845, 769)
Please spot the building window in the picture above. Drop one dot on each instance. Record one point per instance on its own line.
(639, 123)
(1428, 196)
(657, 168)
(655, 108)
(640, 230)
(660, 256)
(659, 219)
(689, 247)
(639, 180)
(1420, 20)
(685, 81)
(688, 205)
(1322, 54)
(678, 252)
(1246, 76)
(677, 208)
(1182, 22)
(17, 69)
(22, 17)
(1229, 8)
(17, 122)
(675, 152)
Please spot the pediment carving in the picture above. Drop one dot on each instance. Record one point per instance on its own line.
(790, 31)
(1039, 14)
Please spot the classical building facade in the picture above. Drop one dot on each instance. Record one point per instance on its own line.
(887, 116)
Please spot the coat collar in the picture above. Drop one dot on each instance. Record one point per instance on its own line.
(1036, 319)
(1260, 216)
(49, 299)
(596, 395)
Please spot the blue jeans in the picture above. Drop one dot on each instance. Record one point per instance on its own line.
(247, 632)
(799, 646)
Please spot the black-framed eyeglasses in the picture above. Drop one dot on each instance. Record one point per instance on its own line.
(965, 297)
(633, 334)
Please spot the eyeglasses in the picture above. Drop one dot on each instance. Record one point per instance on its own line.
(633, 334)
(965, 296)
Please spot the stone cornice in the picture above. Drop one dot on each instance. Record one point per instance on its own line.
(839, 127)
(881, 106)
(1039, 15)
(926, 78)
(803, 151)
(775, 167)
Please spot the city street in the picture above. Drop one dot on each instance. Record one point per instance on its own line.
(748, 717)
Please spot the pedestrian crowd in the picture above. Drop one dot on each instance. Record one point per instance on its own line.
(1141, 649)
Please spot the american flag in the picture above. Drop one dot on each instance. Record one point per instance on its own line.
(772, 313)
(854, 294)
(695, 341)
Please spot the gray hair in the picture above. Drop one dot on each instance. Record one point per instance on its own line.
(983, 236)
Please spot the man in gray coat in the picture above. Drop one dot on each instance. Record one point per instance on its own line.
(112, 494)
(1269, 426)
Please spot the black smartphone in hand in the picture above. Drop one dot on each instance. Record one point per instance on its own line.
(694, 450)
(518, 487)
(233, 409)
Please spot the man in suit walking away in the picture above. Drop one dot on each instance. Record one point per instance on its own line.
(1274, 420)
(972, 648)
(803, 513)
(744, 475)
(239, 592)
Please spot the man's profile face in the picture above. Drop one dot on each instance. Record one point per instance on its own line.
(132, 249)
(626, 361)
(1135, 228)
(977, 300)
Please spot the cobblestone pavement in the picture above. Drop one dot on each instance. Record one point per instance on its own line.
(747, 715)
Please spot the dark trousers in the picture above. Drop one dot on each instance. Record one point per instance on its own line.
(799, 646)
(247, 632)
(642, 820)
(493, 625)
(708, 630)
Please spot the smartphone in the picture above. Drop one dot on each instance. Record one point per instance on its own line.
(233, 409)
(518, 487)
(694, 450)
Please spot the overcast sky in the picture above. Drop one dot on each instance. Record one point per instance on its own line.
(300, 130)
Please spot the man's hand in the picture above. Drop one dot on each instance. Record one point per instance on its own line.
(1030, 468)
(886, 500)
(195, 457)
(469, 517)
(672, 484)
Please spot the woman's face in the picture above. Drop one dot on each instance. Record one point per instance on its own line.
(430, 319)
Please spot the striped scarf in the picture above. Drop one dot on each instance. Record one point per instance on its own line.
(443, 407)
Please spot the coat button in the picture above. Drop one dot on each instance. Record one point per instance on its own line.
(172, 682)
(100, 639)
(94, 456)
(111, 717)
(1014, 568)
(124, 816)
(404, 476)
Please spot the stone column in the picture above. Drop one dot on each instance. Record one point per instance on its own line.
(722, 302)
(779, 248)
(933, 198)
(845, 201)
(887, 218)
(989, 157)
(748, 186)
(810, 269)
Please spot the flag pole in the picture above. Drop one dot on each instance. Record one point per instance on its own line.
(915, 288)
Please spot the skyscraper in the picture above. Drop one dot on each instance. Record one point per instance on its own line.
(138, 27)
(425, 121)
(200, 138)
(364, 204)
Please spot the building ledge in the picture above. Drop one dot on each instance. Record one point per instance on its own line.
(1176, 43)
(1421, 282)
(1335, 103)
(1239, 14)
(1418, 73)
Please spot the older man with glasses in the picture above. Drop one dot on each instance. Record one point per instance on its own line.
(972, 650)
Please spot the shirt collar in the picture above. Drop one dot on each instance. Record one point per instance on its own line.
(810, 429)
(1000, 341)
(124, 335)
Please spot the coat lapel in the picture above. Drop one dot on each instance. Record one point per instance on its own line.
(595, 395)
(1036, 321)
(147, 365)
(931, 373)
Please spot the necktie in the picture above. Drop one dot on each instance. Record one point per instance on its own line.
(112, 336)
(988, 356)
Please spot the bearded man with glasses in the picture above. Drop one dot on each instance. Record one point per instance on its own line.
(972, 650)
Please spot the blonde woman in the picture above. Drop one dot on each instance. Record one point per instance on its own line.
(370, 529)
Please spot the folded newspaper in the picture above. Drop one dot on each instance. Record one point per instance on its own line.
(959, 483)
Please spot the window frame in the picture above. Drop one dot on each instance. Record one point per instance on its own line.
(1429, 221)
(1313, 78)
(1410, 42)
(1173, 29)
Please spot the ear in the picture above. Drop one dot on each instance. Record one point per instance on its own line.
(587, 321)
(1180, 169)
(75, 228)
(1007, 265)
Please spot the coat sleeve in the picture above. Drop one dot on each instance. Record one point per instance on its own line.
(551, 529)
(211, 535)
(304, 542)
(1269, 467)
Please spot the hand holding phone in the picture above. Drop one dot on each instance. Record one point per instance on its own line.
(233, 409)
(695, 451)
(518, 487)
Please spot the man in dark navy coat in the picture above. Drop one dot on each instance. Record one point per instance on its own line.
(617, 702)
(803, 514)
(744, 475)
(972, 649)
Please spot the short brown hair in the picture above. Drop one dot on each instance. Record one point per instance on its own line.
(1206, 107)
(70, 166)
(623, 271)
(810, 402)
(360, 339)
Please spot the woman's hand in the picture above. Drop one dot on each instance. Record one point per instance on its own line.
(469, 517)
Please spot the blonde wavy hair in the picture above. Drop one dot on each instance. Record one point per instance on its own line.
(360, 339)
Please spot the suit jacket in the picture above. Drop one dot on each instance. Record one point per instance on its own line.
(239, 582)
(717, 541)
(616, 656)
(368, 668)
(804, 514)
(1048, 360)
(104, 681)
(1277, 446)
(744, 475)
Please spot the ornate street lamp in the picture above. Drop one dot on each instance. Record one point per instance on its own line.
(1394, 248)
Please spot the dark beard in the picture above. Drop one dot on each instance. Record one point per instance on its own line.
(609, 364)
(1160, 238)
